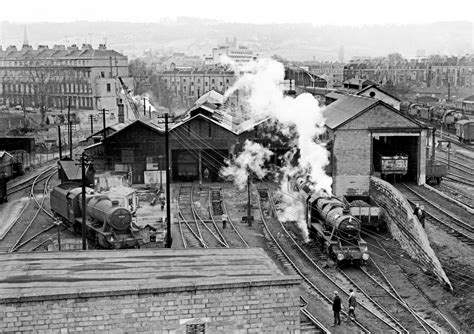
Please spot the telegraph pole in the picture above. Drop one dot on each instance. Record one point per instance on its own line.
(92, 123)
(70, 140)
(83, 166)
(103, 121)
(70, 127)
(168, 192)
(59, 143)
(144, 107)
(249, 208)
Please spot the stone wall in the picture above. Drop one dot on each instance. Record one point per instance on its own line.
(263, 307)
(405, 227)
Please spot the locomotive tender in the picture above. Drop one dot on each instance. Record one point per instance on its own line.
(108, 225)
(338, 232)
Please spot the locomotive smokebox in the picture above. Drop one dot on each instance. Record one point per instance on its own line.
(102, 209)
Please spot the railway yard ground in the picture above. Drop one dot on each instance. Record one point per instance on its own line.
(438, 308)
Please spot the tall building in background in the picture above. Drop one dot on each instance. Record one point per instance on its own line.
(341, 54)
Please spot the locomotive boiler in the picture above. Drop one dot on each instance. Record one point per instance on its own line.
(337, 231)
(107, 224)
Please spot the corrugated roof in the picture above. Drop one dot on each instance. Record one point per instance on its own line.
(345, 108)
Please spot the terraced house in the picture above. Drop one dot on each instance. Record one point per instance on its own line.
(48, 77)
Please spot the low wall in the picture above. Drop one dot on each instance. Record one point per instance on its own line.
(262, 307)
(405, 227)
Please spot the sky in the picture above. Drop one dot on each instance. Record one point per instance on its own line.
(317, 12)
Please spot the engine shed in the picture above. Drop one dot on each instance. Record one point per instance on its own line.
(200, 143)
(166, 291)
(369, 137)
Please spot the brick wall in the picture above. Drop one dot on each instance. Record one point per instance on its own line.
(225, 308)
(351, 163)
(405, 227)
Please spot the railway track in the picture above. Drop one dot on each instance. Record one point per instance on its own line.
(21, 232)
(189, 229)
(388, 301)
(437, 215)
(195, 230)
(317, 280)
(231, 233)
(382, 264)
(209, 230)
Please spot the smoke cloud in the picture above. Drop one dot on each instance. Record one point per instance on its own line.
(251, 159)
(261, 81)
(301, 118)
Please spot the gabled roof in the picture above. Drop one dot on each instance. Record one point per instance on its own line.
(212, 97)
(225, 125)
(148, 123)
(114, 128)
(379, 89)
(345, 108)
(349, 107)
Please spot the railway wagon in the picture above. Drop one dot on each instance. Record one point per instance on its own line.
(337, 231)
(465, 131)
(107, 224)
(396, 164)
(366, 210)
(435, 171)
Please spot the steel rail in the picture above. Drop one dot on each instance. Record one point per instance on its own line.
(305, 278)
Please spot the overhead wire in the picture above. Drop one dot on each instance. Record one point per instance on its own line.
(212, 160)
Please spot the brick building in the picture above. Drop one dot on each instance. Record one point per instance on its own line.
(228, 291)
(190, 84)
(49, 77)
(359, 129)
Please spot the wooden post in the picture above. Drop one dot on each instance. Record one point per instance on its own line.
(168, 192)
(83, 166)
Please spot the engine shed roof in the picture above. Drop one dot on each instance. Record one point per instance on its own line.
(76, 274)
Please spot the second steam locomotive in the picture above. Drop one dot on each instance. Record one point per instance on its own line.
(338, 232)
(108, 225)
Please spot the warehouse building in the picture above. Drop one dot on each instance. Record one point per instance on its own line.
(360, 131)
(227, 291)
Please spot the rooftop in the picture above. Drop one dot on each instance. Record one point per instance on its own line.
(59, 275)
(345, 108)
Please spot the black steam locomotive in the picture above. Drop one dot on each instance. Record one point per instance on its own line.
(108, 225)
(337, 231)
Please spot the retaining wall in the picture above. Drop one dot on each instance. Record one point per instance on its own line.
(405, 227)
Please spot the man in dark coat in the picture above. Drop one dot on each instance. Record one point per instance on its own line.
(352, 305)
(421, 216)
(336, 308)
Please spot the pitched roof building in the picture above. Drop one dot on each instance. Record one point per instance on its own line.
(49, 77)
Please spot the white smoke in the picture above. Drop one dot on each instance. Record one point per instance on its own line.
(262, 82)
(291, 209)
(252, 159)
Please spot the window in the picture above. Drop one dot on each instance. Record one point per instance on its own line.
(212, 81)
(102, 74)
(227, 81)
(108, 88)
(196, 329)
